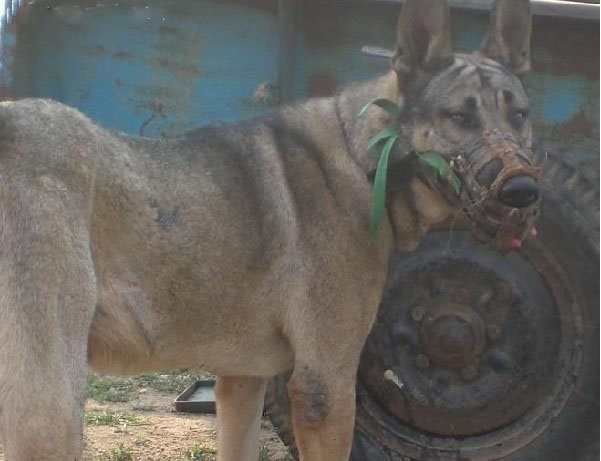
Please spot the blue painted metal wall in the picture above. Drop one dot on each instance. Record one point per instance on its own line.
(170, 65)
(164, 67)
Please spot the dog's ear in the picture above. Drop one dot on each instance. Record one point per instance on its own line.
(423, 38)
(508, 38)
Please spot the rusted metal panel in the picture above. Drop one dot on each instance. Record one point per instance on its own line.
(157, 69)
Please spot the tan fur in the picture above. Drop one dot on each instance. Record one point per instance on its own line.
(239, 411)
(240, 249)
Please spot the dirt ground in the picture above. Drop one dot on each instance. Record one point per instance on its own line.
(158, 433)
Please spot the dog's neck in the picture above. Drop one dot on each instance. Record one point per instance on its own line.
(358, 130)
(413, 208)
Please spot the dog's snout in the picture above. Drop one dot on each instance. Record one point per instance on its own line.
(519, 192)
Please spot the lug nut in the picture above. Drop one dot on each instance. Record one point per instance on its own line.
(493, 331)
(422, 361)
(469, 373)
(418, 313)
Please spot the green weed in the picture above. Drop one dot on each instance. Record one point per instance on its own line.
(112, 418)
(110, 388)
(264, 454)
(200, 453)
(141, 442)
(121, 453)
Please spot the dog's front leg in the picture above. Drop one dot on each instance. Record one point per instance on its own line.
(239, 410)
(323, 412)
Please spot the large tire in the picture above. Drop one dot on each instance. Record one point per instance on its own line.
(531, 388)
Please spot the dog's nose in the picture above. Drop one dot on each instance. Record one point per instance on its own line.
(519, 192)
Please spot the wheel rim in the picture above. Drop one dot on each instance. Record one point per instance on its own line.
(469, 345)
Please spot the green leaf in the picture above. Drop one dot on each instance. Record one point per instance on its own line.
(382, 136)
(439, 163)
(378, 199)
(391, 107)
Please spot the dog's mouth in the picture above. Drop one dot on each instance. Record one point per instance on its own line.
(500, 192)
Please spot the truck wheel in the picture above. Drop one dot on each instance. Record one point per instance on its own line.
(475, 356)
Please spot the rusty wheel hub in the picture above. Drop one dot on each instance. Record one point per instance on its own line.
(467, 344)
(452, 335)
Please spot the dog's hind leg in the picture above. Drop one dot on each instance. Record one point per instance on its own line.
(239, 410)
(47, 299)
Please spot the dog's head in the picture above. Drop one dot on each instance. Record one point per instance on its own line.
(474, 111)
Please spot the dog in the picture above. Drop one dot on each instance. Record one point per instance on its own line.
(243, 249)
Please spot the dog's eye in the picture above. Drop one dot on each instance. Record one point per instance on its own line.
(518, 117)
